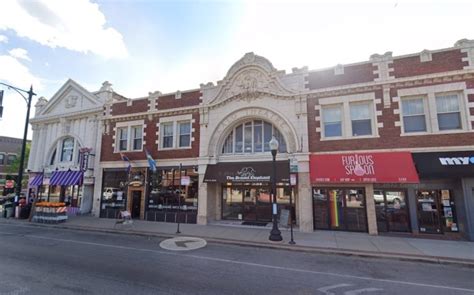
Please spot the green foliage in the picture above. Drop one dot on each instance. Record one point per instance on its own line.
(14, 167)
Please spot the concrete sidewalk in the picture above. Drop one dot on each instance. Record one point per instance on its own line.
(361, 244)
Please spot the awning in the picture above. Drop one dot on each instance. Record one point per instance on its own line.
(445, 164)
(65, 178)
(247, 172)
(37, 180)
(390, 167)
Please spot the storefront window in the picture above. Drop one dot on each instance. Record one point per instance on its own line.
(339, 209)
(391, 211)
(436, 211)
(114, 193)
(169, 200)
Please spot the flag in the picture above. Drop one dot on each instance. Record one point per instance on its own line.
(151, 162)
(126, 159)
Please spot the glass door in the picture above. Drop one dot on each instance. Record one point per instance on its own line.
(264, 204)
(428, 211)
(355, 219)
(250, 202)
(232, 203)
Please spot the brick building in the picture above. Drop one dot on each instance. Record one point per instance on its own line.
(10, 149)
(384, 145)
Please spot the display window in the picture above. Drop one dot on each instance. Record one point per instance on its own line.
(173, 195)
(253, 203)
(391, 208)
(114, 193)
(339, 209)
(436, 211)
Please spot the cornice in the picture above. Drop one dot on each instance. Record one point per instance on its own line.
(150, 114)
(73, 115)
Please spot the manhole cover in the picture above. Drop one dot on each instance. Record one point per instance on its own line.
(183, 244)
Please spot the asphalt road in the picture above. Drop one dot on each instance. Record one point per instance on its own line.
(38, 260)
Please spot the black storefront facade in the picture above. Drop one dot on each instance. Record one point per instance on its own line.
(170, 194)
(444, 198)
(245, 190)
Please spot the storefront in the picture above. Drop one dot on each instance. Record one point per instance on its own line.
(362, 191)
(246, 190)
(167, 195)
(445, 196)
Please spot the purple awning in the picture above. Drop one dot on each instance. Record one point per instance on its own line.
(37, 181)
(65, 178)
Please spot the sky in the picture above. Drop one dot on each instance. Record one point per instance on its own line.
(144, 46)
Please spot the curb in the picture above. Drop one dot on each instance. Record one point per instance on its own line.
(273, 245)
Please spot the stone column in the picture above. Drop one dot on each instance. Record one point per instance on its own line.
(202, 198)
(370, 207)
(305, 203)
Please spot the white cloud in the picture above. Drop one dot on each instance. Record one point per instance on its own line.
(3, 39)
(77, 25)
(20, 53)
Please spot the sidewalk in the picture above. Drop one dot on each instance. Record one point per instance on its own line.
(361, 244)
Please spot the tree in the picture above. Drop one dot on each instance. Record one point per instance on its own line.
(15, 166)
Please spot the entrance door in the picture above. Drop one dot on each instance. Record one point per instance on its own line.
(391, 211)
(250, 201)
(428, 204)
(136, 203)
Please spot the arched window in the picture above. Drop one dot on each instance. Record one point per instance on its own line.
(67, 150)
(252, 137)
(53, 158)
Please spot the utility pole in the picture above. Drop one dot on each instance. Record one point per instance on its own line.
(25, 133)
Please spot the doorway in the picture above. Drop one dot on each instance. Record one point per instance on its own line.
(429, 219)
(136, 203)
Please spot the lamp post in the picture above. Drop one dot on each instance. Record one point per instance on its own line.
(275, 234)
(23, 145)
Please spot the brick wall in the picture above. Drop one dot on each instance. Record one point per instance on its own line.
(191, 98)
(389, 133)
(360, 73)
(441, 62)
(137, 106)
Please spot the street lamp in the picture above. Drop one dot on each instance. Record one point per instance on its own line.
(275, 234)
(23, 146)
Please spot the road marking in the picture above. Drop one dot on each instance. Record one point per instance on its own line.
(360, 291)
(256, 264)
(183, 244)
(325, 290)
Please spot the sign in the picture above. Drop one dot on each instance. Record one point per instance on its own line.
(293, 165)
(292, 179)
(247, 172)
(390, 167)
(284, 217)
(185, 180)
(445, 164)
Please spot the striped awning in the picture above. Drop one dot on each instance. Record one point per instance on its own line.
(37, 181)
(65, 178)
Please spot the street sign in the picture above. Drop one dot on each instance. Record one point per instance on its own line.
(292, 179)
(293, 165)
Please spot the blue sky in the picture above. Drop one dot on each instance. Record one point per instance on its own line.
(144, 46)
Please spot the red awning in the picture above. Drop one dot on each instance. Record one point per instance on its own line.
(390, 167)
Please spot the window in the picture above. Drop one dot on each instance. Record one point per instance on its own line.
(137, 134)
(361, 119)
(53, 158)
(123, 138)
(184, 129)
(2, 159)
(414, 119)
(167, 135)
(332, 121)
(448, 111)
(67, 149)
(252, 137)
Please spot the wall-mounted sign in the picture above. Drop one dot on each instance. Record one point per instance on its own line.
(247, 172)
(292, 179)
(390, 167)
(444, 164)
(185, 180)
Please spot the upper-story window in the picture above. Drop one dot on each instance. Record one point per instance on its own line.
(448, 112)
(176, 132)
(361, 119)
(129, 136)
(332, 120)
(252, 137)
(2, 159)
(53, 158)
(184, 130)
(348, 117)
(67, 150)
(414, 118)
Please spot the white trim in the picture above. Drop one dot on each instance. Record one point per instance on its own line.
(129, 126)
(413, 150)
(347, 98)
